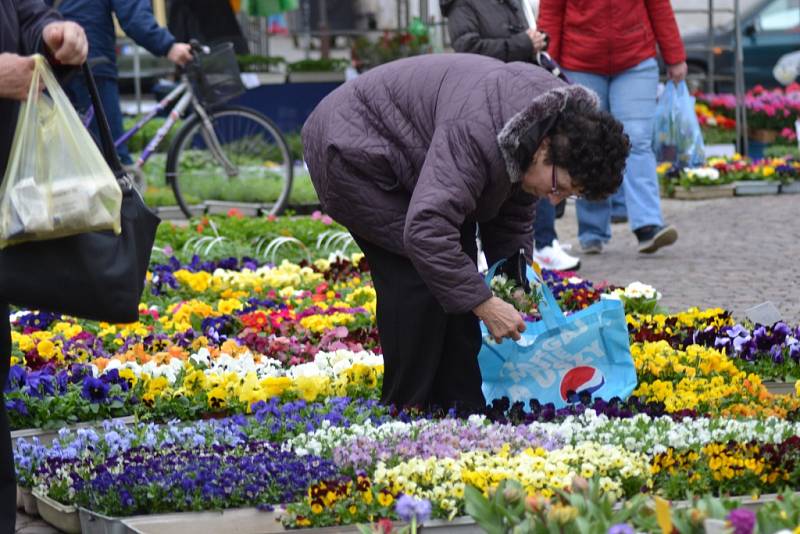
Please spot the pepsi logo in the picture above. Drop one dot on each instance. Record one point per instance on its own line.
(579, 380)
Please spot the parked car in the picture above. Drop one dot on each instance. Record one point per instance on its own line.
(770, 29)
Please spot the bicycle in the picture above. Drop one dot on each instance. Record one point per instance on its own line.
(216, 140)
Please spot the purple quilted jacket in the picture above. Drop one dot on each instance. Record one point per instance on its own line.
(406, 153)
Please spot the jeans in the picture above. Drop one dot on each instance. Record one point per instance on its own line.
(631, 97)
(108, 88)
(544, 226)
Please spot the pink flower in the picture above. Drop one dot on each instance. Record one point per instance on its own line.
(326, 219)
(316, 216)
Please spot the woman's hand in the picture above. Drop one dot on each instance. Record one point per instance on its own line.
(501, 318)
(677, 72)
(539, 39)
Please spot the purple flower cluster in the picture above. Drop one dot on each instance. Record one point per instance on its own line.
(276, 420)
(742, 520)
(164, 278)
(446, 438)
(408, 508)
(37, 398)
(174, 478)
(503, 411)
(778, 342)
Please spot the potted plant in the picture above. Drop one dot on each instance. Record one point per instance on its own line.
(391, 46)
(317, 70)
(768, 113)
(268, 69)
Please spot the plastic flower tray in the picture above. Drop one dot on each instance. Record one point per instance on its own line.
(28, 501)
(704, 192)
(756, 187)
(241, 521)
(95, 523)
(316, 77)
(780, 388)
(63, 517)
(792, 188)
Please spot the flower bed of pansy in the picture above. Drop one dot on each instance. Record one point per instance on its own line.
(255, 384)
(767, 109)
(722, 171)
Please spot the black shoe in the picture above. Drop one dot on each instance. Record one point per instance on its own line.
(618, 219)
(561, 207)
(651, 238)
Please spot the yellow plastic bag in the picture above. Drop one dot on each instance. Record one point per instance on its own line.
(57, 182)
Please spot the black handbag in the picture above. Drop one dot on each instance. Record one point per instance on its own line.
(96, 275)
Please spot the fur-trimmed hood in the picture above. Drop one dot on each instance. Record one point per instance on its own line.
(523, 133)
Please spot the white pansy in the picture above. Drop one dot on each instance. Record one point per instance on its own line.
(637, 289)
(709, 173)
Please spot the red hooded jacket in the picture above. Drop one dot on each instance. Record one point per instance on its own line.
(610, 36)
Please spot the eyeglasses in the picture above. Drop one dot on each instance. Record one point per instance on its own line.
(556, 189)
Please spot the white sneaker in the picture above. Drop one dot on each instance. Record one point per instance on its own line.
(555, 259)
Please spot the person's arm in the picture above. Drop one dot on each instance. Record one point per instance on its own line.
(511, 230)
(138, 22)
(551, 21)
(465, 37)
(33, 16)
(662, 20)
(451, 181)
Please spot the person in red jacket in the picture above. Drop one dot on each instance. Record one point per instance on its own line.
(610, 47)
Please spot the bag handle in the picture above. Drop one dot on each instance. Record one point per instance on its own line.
(548, 306)
(106, 141)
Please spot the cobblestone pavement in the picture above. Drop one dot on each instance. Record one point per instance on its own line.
(28, 525)
(733, 253)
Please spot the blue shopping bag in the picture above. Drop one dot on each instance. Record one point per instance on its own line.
(560, 357)
(676, 131)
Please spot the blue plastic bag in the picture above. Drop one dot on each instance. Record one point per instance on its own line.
(559, 357)
(676, 133)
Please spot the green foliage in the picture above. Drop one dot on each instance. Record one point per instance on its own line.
(242, 236)
(139, 141)
(318, 65)
(582, 510)
(391, 46)
(718, 136)
(256, 63)
(295, 143)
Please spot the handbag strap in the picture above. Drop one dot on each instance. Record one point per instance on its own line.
(106, 140)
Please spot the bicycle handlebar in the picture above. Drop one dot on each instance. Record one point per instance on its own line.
(198, 48)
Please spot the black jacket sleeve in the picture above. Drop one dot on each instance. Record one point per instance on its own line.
(464, 24)
(33, 16)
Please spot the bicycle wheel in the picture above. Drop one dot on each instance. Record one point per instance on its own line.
(256, 167)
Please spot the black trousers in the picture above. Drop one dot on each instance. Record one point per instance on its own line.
(430, 357)
(8, 483)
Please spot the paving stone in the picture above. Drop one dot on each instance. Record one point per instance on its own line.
(734, 253)
(30, 525)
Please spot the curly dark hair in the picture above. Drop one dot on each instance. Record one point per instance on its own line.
(591, 145)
